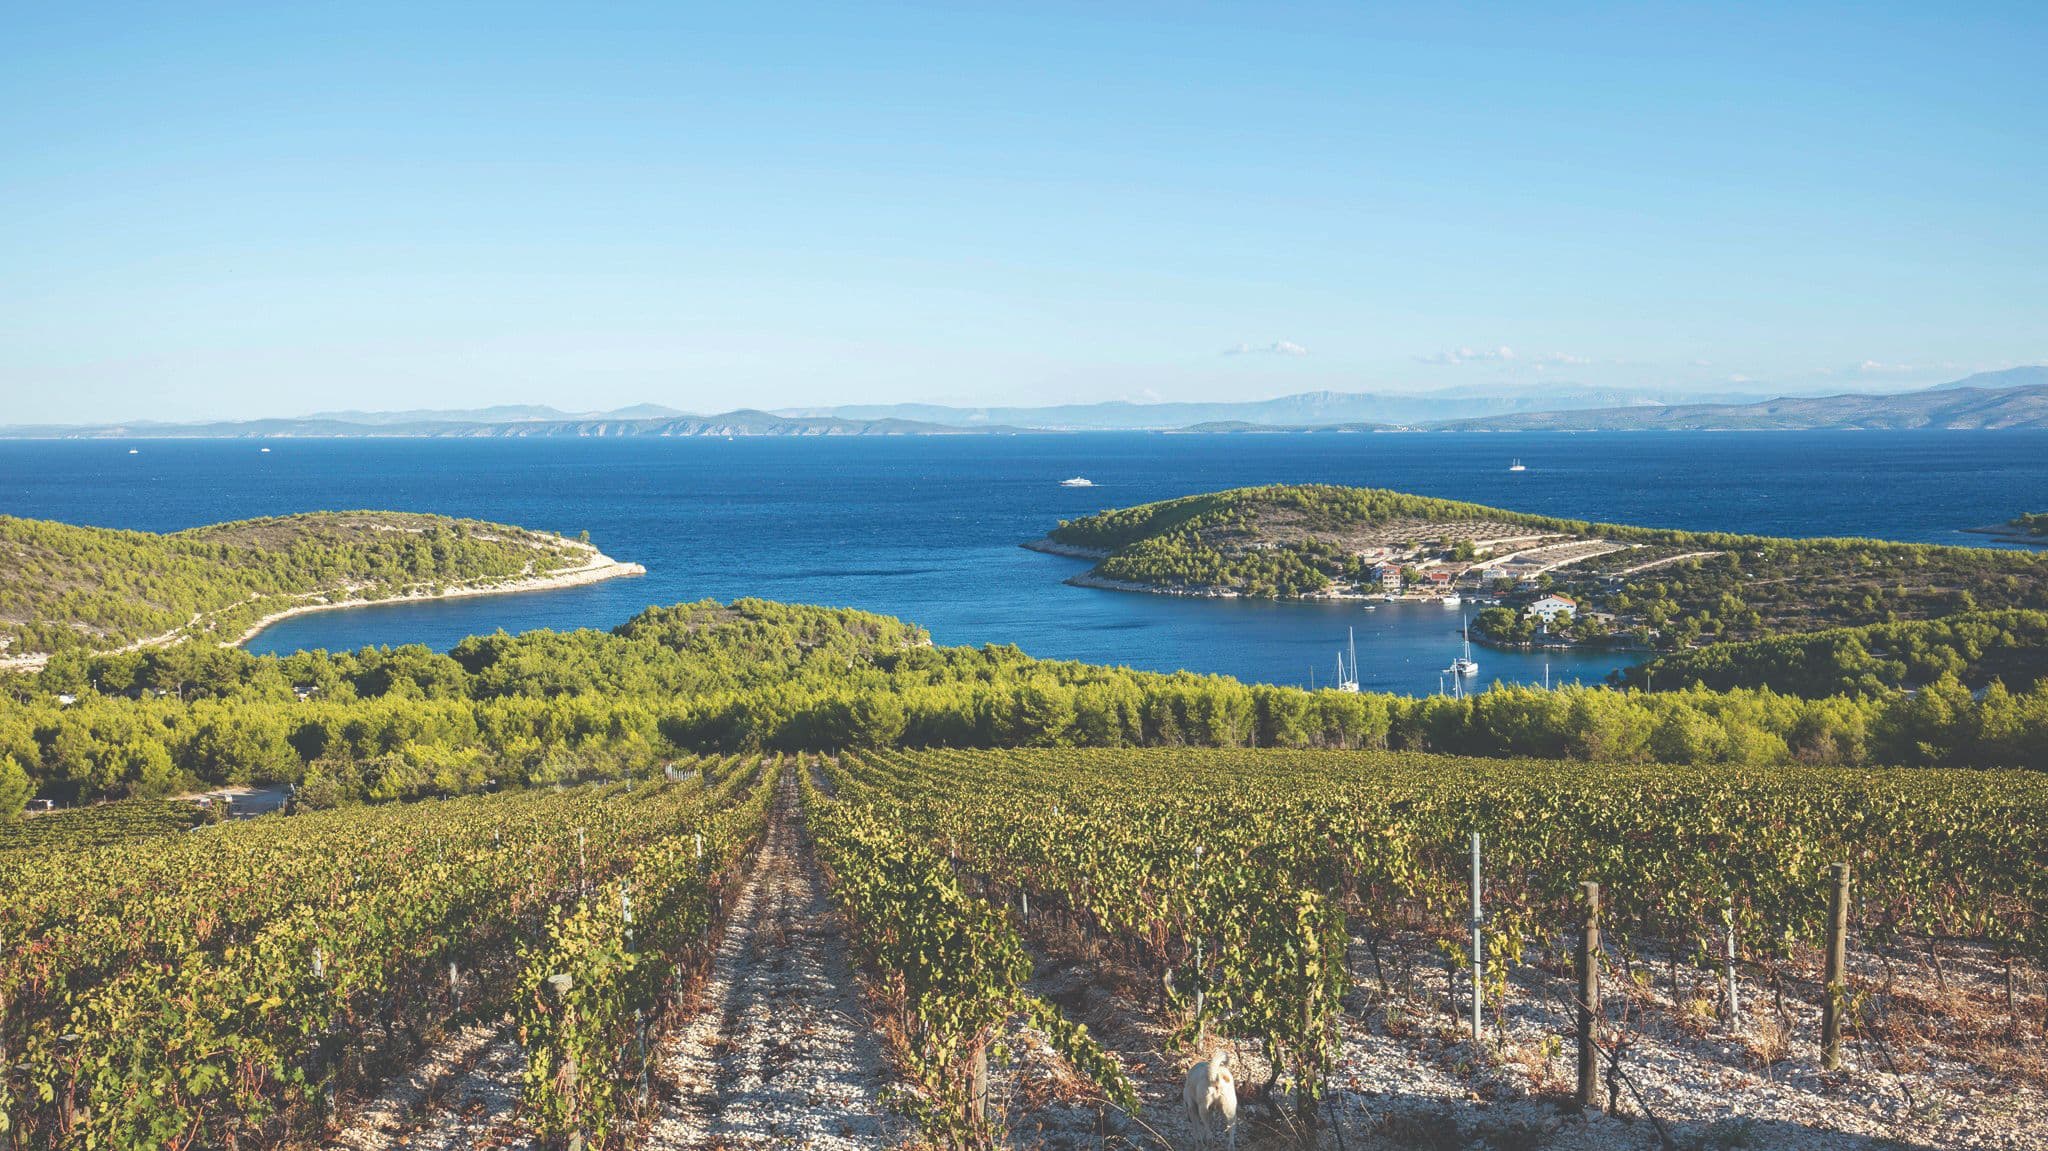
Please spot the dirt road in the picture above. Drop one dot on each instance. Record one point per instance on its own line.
(782, 1055)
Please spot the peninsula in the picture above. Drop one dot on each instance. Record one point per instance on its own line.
(71, 589)
(2029, 530)
(1541, 580)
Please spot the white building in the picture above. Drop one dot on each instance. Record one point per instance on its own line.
(1551, 606)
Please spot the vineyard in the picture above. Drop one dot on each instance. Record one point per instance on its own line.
(1044, 939)
(1253, 895)
(227, 987)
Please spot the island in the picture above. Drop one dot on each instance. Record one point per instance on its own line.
(1541, 580)
(71, 589)
(2028, 530)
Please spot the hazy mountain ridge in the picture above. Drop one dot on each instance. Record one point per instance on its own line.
(2011, 398)
(745, 422)
(1301, 409)
(2028, 376)
(1949, 408)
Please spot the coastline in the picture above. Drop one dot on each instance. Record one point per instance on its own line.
(1089, 579)
(1053, 547)
(2007, 534)
(596, 568)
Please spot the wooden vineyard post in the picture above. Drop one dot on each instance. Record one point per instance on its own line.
(571, 1074)
(1478, 942)
(1836, 974)
(1733, 991)
(977, 1090)
(1589, 1000)
(1201, 969)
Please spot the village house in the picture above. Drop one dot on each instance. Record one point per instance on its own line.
(1386, 576)
(1551, 606)
(1481, 577)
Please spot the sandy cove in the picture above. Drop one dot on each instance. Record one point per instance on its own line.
(595, 569)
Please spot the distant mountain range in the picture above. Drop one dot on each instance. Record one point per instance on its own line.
(454, 425)
(2013, 398)
(500, 414)
(1306, 409)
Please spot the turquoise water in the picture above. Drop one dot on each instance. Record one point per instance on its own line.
(928, 528)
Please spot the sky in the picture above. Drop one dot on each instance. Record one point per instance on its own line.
(219, 211)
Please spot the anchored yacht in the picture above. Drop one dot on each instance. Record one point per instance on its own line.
(1465, 665)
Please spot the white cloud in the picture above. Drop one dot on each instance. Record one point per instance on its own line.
(1875, 368)
(1470, 356)
(1501, 355)
(1276, 348)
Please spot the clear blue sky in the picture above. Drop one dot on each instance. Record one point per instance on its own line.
(276, 208)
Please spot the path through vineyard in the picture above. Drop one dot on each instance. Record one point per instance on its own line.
(459, 1098)
(782, 1053)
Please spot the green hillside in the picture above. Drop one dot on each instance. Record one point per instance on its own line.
(1654, 587)
(65, 588)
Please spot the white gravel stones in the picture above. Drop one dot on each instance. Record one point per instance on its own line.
(460, 1098)
(782, 1055)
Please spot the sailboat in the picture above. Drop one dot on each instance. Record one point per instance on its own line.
(1465, 664)
(1348, 682)
(1517, 466)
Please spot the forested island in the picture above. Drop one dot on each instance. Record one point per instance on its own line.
(2029, 529)
(65, 588)
(1545, 580)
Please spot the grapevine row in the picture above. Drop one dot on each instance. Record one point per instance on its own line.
(1237, 876)
(952, 965)
(609, 966)
(226, 1002)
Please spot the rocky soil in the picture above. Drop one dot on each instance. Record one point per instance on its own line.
(1410, 1077)
(459, 1098)
(782, 1055)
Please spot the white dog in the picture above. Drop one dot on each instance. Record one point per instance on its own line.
(1211, 1097)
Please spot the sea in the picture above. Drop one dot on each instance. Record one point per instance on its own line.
(928, 528)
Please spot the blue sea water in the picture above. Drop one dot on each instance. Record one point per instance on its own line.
(928, 528)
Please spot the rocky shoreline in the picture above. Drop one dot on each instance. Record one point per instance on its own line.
(1053, 547)
(2008, 534)
(1089, 579)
